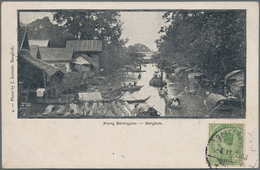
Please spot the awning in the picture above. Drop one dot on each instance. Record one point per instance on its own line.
(192, 76)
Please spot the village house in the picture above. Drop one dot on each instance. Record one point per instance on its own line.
(58, 57)
(86, 55)
(34, 73)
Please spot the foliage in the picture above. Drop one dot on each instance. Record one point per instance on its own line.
(89, 25)
(214, 41)
(45, 29)
(98, 25)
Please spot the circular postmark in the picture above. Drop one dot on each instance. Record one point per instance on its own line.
(225, 145)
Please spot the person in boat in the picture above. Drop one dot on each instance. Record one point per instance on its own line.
(165, 90)
(130, 85)
(139, 76)
(155, 75)
(135, 83)
(174, 102)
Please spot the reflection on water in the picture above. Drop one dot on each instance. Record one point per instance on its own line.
(155, 100)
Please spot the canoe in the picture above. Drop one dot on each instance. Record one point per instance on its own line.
(157, 82)
(134, 88)
(138, 100)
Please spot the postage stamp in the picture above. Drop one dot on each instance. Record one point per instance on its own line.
(225, 145)
(129, 85)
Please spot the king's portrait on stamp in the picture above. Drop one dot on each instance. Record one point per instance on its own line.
(130, 84)
(225, 145)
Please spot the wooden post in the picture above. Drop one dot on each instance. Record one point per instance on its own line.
(44, 80)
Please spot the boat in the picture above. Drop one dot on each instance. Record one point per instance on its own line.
(190, 91)
(133, 88)
(144, 110)
(156, 81)
(217, 102)
(138, 100)
(162, 93)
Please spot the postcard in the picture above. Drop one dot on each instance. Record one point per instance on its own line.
(130, 84)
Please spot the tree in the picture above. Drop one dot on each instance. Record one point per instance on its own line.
(89, 25)
(97, 25)
(215, 41)
(45, 29)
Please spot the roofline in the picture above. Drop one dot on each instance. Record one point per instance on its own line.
(25, 32)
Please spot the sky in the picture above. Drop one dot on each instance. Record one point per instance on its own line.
(138, 27)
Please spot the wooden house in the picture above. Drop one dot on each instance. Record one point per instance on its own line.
(58, 57)
(86, 54)
(34, 73)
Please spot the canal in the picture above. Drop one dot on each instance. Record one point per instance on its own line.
(156, 101)
(192, 105)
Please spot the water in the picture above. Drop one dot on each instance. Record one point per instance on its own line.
(155, 100)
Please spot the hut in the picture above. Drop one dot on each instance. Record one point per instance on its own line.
(34, 73)
(86, 51)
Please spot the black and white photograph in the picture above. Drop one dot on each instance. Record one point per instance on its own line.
(122, 85)
(132, 64)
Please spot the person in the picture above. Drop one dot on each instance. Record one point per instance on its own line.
(130, 85)
(174, 102)
(135, 83)
(139, 76)
(165, 90)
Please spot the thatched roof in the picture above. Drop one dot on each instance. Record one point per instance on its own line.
(49, 69)
(40, 43)
(213, 99)
(56, 54)
(85, 45)
(232, 73)
(178, 69)
(191, 76)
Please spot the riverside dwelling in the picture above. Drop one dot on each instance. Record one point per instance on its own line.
(86, 55)
(33, 73)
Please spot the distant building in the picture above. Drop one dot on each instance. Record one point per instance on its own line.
(40, 43)
(59, 57)
(86, 54)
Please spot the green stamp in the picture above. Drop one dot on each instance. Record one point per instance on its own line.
(225, 145)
